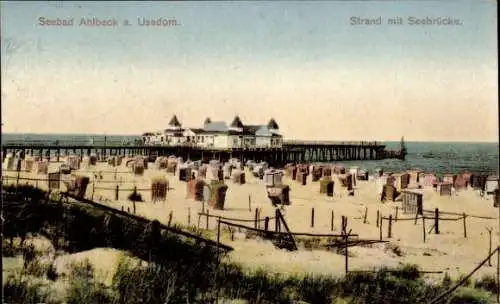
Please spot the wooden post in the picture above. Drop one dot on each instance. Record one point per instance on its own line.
(366, 214)
(116, 192)
(218, 239)
(208, 218)
(389, 232)
(93, 190)
(266, 223)
(396, 216)
(346, 254)
(331, 221)
(133, 206)
(312, 217)
(498, 260)
(170, 215)
(276, 220)
(489, 249)
(436, 220)
(189, 216)
(128, 209)
(378, 217)
(416, 217)
(380, 226)
(249, 203)
(256, 217)
(498, 274)
(423, 226)
(199, 220)
(465, 225)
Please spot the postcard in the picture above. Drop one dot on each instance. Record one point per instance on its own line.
(250, 152)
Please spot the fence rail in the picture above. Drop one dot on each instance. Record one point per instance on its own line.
(284, 233)
(233, 219)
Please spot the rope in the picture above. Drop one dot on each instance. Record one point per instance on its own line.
(468, 215)
(427, 218)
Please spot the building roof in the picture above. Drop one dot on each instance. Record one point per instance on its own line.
(250, 129)
(220, 126)
(171, 131)
(272, 124)
(174, 122)
(236, 122)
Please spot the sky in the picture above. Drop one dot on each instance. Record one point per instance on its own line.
(304, 64)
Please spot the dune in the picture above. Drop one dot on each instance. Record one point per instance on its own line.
(448, 251)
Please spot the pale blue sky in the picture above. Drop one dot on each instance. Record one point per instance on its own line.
(254, 59)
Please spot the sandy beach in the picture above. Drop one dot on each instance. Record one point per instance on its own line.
(449, 251)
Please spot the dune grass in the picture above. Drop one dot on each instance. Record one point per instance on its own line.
(176, 270)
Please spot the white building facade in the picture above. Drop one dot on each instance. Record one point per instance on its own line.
(218, 135)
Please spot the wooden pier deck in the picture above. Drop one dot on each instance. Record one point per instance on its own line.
(291, 151)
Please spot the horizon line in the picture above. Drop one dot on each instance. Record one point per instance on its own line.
(285, 138)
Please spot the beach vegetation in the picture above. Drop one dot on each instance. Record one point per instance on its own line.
(174, 269)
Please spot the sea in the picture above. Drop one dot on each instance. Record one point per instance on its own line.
(436, 157)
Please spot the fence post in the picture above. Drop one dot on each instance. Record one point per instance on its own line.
(465, 226)
(380, 226)
(378, 217)
(266, 223)
(331, 221)
(208, 218)
(436, 220)
(133, 206)
(218, 240)
(189, 216)
(389, 229)
(276, 221)
(498, 274)
(116, 192)
(312, 217)
(489, 249)
(93, 190)
(249, 203)
(170, 215)
(256, 217)
(366, 214)
(423, 226)
(346, 254)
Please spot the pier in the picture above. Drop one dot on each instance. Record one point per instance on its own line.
(290, 152)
